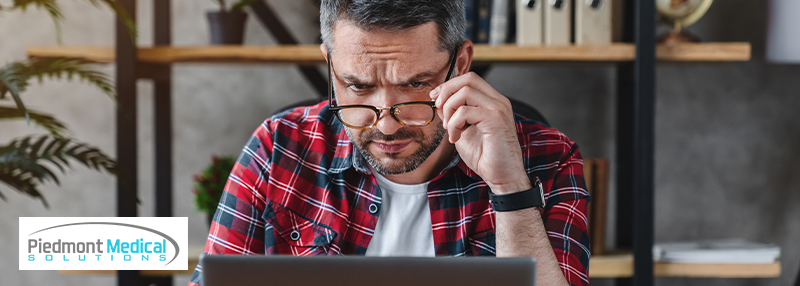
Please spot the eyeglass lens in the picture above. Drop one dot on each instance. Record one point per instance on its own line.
(408, 114)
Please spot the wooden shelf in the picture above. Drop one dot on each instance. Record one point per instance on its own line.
(704, 52)
(606, 266)
(484, 54)
(621, 265)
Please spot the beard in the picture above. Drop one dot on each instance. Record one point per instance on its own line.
(395, 166)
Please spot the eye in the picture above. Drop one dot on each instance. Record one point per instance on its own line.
(416, 84)
(357, 87)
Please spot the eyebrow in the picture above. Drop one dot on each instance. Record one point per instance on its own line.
(415, 78)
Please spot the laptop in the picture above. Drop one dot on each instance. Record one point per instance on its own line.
(249, 270)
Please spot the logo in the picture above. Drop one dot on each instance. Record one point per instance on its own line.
(103, 243)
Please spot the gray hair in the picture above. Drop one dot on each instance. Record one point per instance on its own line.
(394, 15)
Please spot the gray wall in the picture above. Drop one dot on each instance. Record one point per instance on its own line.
(726, 138)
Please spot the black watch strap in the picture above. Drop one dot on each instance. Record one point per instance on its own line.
(519, 200)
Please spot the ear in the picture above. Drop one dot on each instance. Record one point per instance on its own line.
(324, 50)
(464, 58)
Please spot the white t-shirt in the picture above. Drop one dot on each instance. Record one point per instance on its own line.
(404, 225)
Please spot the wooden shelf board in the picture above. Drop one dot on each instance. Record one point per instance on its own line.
(605, 266)
(484, 54)
(617, 52)
(621, 265)
(704, 52)
(96, 54)
(278, 54)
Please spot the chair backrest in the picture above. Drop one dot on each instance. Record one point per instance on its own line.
(527, 111)
(306, 102)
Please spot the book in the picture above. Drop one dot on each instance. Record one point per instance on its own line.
(595, 174)
(482, 21)
(723, 251)
(469, 13)
(498, 22)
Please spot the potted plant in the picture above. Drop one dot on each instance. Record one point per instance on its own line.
(227, 25)
(208, 185)
(27, 162)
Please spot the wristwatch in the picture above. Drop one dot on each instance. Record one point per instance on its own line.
(533, 197)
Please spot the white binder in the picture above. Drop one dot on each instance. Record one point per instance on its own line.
(593, 22)
(529, 22)
(557, 28)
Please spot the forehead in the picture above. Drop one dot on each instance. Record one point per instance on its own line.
(413, 45)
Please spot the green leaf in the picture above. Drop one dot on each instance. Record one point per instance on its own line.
(17, 75)
(22, 162)
(210, 183)
(55, 13)
(14, 77)
(123, 16)
(48, 5)
(241, 4)
(49, 123)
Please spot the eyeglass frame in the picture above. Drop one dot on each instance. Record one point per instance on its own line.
(378, 110)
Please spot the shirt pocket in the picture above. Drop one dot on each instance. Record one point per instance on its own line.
(482, 243)
(295, 234)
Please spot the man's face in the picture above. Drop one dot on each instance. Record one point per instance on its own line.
(381, 69)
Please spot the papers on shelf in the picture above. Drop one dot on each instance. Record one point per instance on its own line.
(731, 251)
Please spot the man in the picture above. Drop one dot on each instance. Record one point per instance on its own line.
(403, 158)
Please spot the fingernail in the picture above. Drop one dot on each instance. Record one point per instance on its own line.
(434, 92)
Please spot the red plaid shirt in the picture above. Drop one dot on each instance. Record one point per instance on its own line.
(300, 188)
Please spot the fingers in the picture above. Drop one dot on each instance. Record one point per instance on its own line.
(445, 90)
(465, 96)
(461, 118)
(468, 89)
(469, 100)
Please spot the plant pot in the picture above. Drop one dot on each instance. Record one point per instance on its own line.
(227, 28)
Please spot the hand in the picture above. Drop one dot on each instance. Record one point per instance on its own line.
(480, 122)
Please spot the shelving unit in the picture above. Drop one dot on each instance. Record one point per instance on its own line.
(635, 60)
(483, 55)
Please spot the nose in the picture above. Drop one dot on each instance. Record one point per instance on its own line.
(386, 122)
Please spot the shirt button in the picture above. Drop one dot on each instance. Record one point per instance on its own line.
(295, 235)
(373, 208)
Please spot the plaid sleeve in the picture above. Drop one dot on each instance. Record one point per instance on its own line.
(237, 227)
(565, 218)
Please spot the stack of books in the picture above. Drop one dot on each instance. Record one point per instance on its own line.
(726, 251)
(541, 22)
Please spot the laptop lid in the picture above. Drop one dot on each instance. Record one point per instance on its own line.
(248, 270)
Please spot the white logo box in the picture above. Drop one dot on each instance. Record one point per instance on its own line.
(103, 243)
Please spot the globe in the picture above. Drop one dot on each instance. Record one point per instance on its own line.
(680, 14)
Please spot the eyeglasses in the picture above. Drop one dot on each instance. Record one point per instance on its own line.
(413, 114)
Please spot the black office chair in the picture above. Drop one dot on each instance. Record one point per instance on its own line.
(797, 280)
(519, 107)
(306, 102)
(527, 111)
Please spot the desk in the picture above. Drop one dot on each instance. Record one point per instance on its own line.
(617, 265)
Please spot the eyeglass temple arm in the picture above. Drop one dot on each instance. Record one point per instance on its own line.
(330, 79)
(452, 64)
